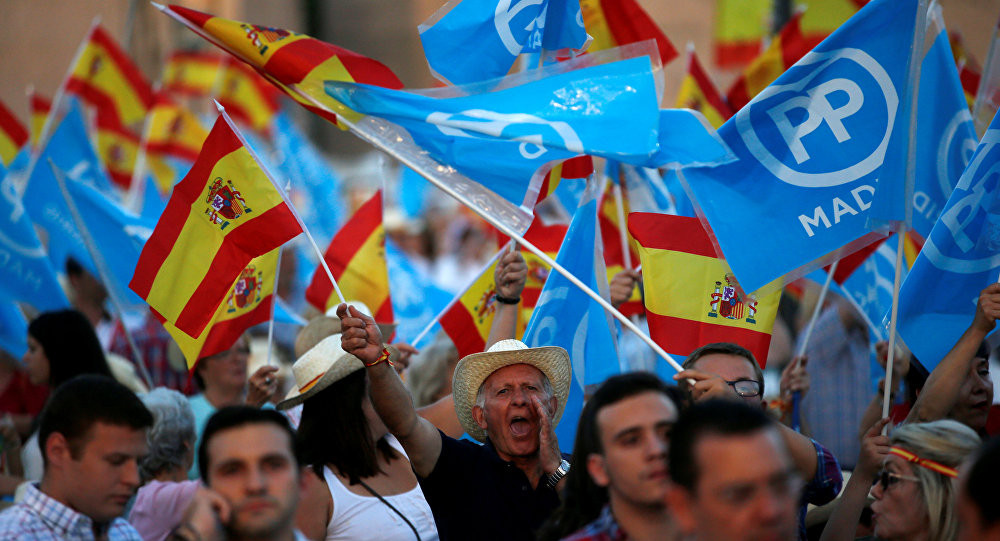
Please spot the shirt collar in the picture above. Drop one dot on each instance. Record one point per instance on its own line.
(56, 514)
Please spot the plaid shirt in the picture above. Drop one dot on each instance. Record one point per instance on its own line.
(41, 518)
(823, 487)
(604, 528)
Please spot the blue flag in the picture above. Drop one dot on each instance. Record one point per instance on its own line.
(809, 149)
(565, 316)
(415, 301)
(26, 273)
(413, 194)
(474, 40)
(316, 188)
(961, 257)
(869, 287)
(153, 202)
(13, 329)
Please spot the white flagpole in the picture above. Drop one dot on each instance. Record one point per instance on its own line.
(102, 270)
(295, 212)
(622, 226)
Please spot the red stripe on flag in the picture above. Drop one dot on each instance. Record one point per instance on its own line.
(578, 167)
(682, 336)
(225, 333)
(736, 54)
(457, 322)
(192, 15)
(125, 65)
(682, 234)
(351, 237)
(629, 23)
(291, 62)
(262, 234)
(12, 126)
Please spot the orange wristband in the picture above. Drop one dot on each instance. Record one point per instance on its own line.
(383, 357)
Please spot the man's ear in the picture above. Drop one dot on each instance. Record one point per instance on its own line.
(57, 450)
(479, 416)
(553, 405)
(597, 471)
(680, 503)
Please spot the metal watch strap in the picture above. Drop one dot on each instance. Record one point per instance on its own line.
(553, 479)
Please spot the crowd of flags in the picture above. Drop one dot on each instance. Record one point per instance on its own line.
(720, 201)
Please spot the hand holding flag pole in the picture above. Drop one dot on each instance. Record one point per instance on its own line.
(284, 196)
(797, 395)
(102, 270)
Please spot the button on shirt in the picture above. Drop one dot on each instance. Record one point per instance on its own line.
(474, 494)
(41, 518)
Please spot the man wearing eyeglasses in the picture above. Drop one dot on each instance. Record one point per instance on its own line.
(724, 370)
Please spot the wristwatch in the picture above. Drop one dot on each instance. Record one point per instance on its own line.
(553, 479)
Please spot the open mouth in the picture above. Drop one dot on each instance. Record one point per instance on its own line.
(520, 427)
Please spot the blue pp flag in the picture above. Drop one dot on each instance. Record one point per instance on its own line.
(13, 329)
(474, 40)
(565, 316)
(809, 148)
(26, 273)
(869, 287)
(960, 257)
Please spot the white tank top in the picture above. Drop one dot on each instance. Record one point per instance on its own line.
(365, 518)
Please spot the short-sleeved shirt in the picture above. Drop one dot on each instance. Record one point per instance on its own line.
(42, 518)
(474, 494)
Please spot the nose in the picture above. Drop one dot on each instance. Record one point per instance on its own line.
(130, 475)
(255, 481)
(520, 396)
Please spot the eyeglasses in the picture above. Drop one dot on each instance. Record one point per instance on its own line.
(745, 387)
(887, 479)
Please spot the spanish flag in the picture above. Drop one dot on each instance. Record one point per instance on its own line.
(619, 22)
(698, 93)
(13, 135)
(822, 17)
(296, 63)
(468, 320)
(38, 110)
(614, 258)
(356, 257)
(247, 303)
(192, 73)
(247, 96)
(117, 148)
(690, 298)
(740, 27)
(105, 77)
(547, 238)
(579, 167)
(174, 130)
(224, 213)
(784, 50)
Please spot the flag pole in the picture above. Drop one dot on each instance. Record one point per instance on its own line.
(886, 396)
(284, 196)
(102, 270)
(797, 395)
(274, 302)
(981, 115)
(457, 297)
(616, 189)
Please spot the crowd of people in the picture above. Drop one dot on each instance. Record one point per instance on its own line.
(467, 448)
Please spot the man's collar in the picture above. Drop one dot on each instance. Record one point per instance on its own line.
(54, 513)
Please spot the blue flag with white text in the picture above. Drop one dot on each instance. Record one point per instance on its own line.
(565, 316)
(960, 257)
(810, 147)
(474, 40)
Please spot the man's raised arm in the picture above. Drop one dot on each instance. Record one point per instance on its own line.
(362, 338)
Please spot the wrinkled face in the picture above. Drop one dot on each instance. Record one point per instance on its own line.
(509, 415)
(747, 489)
(105, 475)
(227, 369)
(36, 364)
(730, 368)
(253, 468)
(977, 393)
(899, 511)
(634, 436)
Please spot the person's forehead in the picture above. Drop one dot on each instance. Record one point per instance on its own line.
(248, 443)
(104, 438)
(726, 365)
(741, 458)
(647, 409)
(515, 373)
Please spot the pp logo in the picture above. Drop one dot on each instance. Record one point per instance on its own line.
(530, 34)
(955, 148)
(828, 127)
(12, 201)
(531, 130)
(970, 241)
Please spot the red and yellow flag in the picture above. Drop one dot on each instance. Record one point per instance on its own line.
(295, 63)
(356, 257)
(614, 258)
(224, 213)
(969, 71)
(822, 17)
(785, 49)
(192, 73)
(547, 238)
(39, 108)
(690, 298)
(698, 93)
(174, 130)
(117, 148)
(105, 77)
(13, 135)
(740, 27)
(247, 303)
(619, 22)
(467, 322)
(579, 167)
(247, 96)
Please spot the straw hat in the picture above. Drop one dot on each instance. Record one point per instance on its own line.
(473, 370)
(323, 365)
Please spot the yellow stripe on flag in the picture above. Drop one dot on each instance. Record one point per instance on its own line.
(365, 278)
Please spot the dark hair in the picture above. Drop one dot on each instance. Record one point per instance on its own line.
(70, 345)
(722, 417)
(980, 484)
(231, 417)
(84, 400)
(334, 430)
(583, 499)
(727, 348)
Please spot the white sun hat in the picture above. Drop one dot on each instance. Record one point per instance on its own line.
(323, 365)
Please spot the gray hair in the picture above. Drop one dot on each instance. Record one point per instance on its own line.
(947, 442)
(172, 436)
(431, 371)
(481, 393)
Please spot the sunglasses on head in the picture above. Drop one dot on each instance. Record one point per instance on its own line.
(886, 478)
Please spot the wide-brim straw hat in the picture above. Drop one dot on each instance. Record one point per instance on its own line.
(473, 370)
(323, 365)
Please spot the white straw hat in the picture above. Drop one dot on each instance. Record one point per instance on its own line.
(473, 370)
(324, 364)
